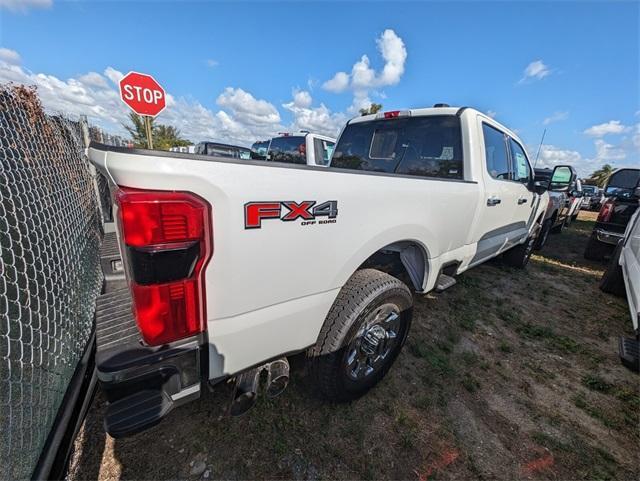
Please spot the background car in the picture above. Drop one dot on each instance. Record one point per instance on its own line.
(621, 202)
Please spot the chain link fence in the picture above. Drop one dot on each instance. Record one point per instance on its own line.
(50, 234)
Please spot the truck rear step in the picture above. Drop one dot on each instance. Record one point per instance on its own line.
(142, 383)
(630, 353)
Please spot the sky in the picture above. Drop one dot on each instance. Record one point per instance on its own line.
(242, 71)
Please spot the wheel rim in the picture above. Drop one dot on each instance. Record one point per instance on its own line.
(374, 341)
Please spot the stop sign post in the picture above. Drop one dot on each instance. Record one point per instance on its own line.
(144, 96)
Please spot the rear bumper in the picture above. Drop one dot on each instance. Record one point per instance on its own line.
(607, 237)
(142, 383)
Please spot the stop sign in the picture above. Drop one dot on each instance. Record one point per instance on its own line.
(142, 94)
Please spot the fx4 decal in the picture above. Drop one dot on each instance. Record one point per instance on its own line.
(287, 211)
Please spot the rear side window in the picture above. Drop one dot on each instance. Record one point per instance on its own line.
(495, 151)
(429, 146)
(290, 149)
(521, 167)
(323, 150)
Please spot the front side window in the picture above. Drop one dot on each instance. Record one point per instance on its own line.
(495, 151)
(291, 149)
(521, 168)
(426, 146)
(323, 150)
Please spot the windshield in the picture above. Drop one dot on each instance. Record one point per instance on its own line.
(290, 149)
(589, 190)
(623, 182)
(259, 150)
(428, 146)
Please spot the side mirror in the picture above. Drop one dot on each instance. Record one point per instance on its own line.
(562, 178)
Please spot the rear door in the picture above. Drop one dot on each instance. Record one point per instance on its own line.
(498, 224)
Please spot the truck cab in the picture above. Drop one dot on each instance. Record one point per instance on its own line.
(303, 148)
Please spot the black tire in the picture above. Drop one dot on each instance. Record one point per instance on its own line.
(596, 250)
(366, 293)
(612, 281)
(543, 236)
(560, 227)
(519, 256)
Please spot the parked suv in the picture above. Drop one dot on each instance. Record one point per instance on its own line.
(621, 202)
(223, 150)
(590, 197)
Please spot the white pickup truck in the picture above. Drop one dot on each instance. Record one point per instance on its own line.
(301, 148)
(232, 265)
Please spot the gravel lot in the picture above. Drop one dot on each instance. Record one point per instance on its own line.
(509, 374)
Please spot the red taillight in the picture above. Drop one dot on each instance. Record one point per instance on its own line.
(392, 114)
(157, 221)
(605, 211)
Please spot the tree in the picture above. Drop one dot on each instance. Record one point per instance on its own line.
(600, 176)
(164, 136)
(373, 109)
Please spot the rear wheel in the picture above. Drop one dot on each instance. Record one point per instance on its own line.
(362, 335)
(612, 281)
(519, 256)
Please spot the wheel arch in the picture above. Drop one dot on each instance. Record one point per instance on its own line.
(404, 259)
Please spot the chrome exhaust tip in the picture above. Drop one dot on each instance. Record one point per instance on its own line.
(278, 378)
(245, 394)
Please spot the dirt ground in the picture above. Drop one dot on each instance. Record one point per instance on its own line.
(509, 374)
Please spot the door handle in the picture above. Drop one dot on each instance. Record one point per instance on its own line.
(522, 200)
(493, 200)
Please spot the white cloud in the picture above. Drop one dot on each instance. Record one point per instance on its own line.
(536, 70)
(339, 83)
(247, 108)
(314, 119)
(605, 153)
(492, 113)
(636, 136)
(242, 118)
(24, 5)
(608, 152)
(212, 63)
(363, 78)
(9, 56)
(611, 127)
(556, 117)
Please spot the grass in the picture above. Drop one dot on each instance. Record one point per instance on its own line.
(500, 352)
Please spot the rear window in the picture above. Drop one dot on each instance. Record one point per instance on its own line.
(290, 149)
(623, 182)
(421, 146)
